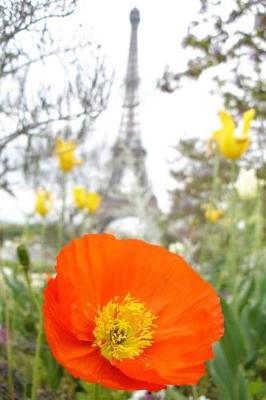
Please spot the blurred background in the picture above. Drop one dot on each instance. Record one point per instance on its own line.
(144, 119)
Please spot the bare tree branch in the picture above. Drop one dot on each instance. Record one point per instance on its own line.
(32, 101)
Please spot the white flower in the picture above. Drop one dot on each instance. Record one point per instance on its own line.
(177, 248)
(241, 225)
(247, 184)
(138, 395)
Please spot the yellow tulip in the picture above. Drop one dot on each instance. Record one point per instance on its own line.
(93, 202)
(65, 152)
(43, 203)
(212, 214)
(80, 196)
(231, 144)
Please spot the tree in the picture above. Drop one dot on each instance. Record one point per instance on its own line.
(228, 40)
(195, 189)
(32, 110)
(233, 37)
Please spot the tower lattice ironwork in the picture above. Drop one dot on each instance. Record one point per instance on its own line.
(128, 191)
(128, 152)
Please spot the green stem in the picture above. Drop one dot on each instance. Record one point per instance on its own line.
(34, 302)
(43, 231)
(5, 299)
(10, 382)
(195, 393)
(83, 223)
(36, 361)
(258, 232)
(28, 282)
(212, 199)
(216, 179)
(220, 281)
(96, 392)
(258, 239)
(26, 230)
(61, 222)
(231, 258)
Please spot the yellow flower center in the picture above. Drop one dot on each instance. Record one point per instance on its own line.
(123, 329)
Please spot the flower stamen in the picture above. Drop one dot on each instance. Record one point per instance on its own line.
(123, 329)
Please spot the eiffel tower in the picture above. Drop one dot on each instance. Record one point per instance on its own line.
(128, 152)
(128, 191)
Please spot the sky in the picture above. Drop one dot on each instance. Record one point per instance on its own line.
(165, 118)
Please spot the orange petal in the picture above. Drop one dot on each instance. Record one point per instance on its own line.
(96, 369)
(64, 345)
(95, 269)
(180, 349)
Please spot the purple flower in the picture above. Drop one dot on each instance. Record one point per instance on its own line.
(3, 335)
(148, 396)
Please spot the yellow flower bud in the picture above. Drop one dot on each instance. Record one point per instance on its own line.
(79, 196)
(232, 144)
(93, 202)
(64, 150)
(212, 214)
(43, 202)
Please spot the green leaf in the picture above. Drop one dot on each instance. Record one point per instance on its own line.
(221, 375)
(232, 343)
(81, 396)
(242, 386)
(174, 394)
(244, 293)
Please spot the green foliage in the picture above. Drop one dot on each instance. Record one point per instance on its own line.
(10, 231)
(227, 253)
(105, 394)
(235, 369)
(234, 37)
(231, 254)
(173, 394)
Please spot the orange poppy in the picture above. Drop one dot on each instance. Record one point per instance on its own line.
(129, 315)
